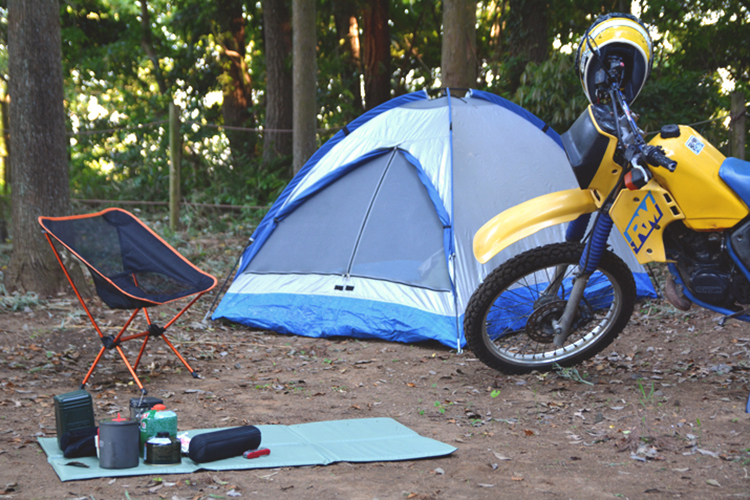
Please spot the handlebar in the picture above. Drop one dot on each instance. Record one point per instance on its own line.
(655, 156)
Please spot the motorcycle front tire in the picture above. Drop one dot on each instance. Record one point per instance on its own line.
(508, 323)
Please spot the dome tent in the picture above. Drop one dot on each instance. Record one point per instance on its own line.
(373, 237)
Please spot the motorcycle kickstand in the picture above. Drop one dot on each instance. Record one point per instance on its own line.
(724, 319)
(562, 326)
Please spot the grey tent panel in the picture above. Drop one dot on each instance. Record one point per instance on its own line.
(377, 221)
(320, 235)
(403, 237)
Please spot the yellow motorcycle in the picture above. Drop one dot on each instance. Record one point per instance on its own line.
(675, 199)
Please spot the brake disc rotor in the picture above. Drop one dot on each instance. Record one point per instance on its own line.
(539, 325)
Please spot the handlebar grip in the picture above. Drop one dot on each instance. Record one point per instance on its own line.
(655, 156)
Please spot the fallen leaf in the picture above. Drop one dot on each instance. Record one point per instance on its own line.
(516, 478)
(528, 432)
(483, 485)
(706, 452)
(501, 457)
(713, 482)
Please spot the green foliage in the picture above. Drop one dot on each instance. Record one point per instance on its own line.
(675, 95)
(117, 100)
(571, 373)
(551, 90)
(17, 301)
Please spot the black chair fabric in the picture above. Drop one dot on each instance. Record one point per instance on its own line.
(131, 265)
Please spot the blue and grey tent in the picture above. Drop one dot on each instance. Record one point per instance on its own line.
(373, 237)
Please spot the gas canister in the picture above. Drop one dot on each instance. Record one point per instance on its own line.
(156, 420)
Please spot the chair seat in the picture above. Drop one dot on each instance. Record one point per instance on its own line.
(132, 266)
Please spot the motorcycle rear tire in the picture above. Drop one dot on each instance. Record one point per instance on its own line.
(524, 345)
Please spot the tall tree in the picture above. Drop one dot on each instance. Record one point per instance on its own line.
(377, 52)
(528, 39)
(277, 29)
(347, 32)
(38, 140)
(147, 44)
(304, 81)
(528, 30)
(236, 81)
(459, 61)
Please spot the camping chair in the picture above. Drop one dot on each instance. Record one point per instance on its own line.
(132, 268)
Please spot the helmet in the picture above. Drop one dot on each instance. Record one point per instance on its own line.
(615, 35)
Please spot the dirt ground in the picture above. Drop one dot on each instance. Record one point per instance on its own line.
(660, 414)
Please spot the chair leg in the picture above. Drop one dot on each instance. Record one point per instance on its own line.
(93, 365)
(140, 353)
(131, 370)
(174, 350)
(163, 335)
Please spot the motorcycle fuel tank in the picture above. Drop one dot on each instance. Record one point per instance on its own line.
(706, 201)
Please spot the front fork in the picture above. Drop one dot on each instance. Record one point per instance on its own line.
(592, 255)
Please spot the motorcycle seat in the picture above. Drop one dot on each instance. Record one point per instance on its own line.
(736, 173)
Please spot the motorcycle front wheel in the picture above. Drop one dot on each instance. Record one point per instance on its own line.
(508, 321)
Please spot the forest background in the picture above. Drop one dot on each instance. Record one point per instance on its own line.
(227, 65)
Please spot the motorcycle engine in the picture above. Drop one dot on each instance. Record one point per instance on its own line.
(706, 268)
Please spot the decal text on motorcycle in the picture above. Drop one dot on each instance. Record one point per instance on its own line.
(645, 219)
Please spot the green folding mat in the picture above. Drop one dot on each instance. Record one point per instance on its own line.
(317, 443)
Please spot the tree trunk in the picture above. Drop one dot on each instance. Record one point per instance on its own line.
(277, 29)
(527, 36)
(6, 170)
(377, 53)
(459, 60)
(304, 81)
(347, 29)
(237, 106)
(147, 45)
(38, 141)
(737, 125)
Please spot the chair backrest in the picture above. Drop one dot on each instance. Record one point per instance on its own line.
(131, 265)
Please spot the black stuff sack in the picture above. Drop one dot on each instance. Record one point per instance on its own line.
(226, 443)
(79, 443)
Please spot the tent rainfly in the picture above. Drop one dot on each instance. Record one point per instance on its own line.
(373, 237)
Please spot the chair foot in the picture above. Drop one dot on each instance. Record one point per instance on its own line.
(144, 392)
(82, 386)
(194, 374)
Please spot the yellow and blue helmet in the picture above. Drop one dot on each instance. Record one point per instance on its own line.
(620, 35)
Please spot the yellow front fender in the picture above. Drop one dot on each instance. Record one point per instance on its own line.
(530, 217)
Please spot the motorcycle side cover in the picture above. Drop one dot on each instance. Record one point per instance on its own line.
(641, 216)
(529, 217)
